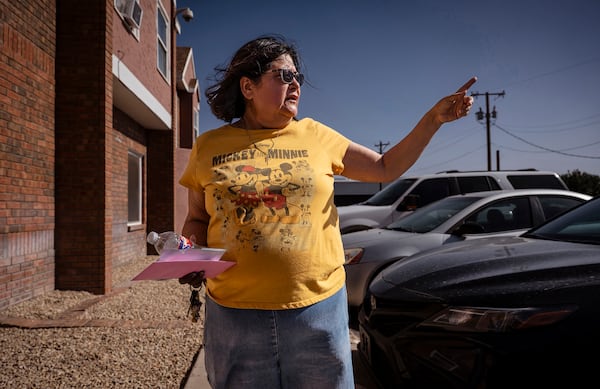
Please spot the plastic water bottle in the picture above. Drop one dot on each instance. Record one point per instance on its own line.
(168, 240)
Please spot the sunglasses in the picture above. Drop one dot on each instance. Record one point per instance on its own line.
(287, 76)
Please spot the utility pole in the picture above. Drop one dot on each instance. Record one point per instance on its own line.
(381, 147)
(487, 121)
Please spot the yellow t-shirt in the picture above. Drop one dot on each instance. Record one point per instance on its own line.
(269, 194)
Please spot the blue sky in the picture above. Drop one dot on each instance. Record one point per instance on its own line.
(373, 68)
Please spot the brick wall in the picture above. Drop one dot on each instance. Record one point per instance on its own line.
(27, 89)
(64, 151)
(128, 244)
(83, 166)
(27, 53)
(161, 182)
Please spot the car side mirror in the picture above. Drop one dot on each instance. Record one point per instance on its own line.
(469, 228)
(409, 203)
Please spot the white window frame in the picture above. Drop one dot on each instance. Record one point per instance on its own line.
(162, 16)
(135, 170)
(196, 123)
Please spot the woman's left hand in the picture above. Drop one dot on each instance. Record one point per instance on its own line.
(195, 279)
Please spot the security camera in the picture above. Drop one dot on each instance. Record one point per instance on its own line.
(187, 14)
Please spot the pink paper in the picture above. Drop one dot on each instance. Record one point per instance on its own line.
(177, 263)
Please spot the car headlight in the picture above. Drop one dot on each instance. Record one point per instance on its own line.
(353, 255)
(477, 319)
(373, 302)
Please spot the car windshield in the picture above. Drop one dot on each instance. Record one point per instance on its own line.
(580, 225)
(429, 217)
(390, 193)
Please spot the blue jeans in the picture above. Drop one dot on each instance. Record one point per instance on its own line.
(305, 348)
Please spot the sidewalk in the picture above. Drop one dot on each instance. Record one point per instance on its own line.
(197, 378)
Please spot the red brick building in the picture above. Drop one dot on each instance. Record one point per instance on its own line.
(98, 113)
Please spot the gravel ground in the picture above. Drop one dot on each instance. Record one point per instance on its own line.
(157, 353)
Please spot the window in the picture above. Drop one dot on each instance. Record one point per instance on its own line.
(134, 189)
(536, 181)
(391, 193)
(477, 184)
(554, 205)
(431, 190)
(162, 47)
(504, 215)
(131, 13)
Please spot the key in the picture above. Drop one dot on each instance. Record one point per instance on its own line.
(195, 305)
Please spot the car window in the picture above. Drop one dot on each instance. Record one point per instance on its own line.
(522, 217)
(503, 215)
(581, 224)
(534, 181)
(430, 190)
(477, 184)
(391, 193)
(553, 205)
(429, 217)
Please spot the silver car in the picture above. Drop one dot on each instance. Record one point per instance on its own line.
(452, 219)
(399, 198)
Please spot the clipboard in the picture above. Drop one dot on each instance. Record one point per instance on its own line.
(173, 264)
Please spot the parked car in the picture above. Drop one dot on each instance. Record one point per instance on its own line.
(452, 219)
(348, 192)
(503, 312)
(406, 194)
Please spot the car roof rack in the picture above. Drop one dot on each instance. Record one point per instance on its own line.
(529, 169)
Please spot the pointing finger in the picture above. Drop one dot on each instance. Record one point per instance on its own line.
(467, 85)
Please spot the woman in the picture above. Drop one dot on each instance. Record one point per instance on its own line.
(261, 187)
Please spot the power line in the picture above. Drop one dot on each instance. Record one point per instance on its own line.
(545, 148)
(549, 73)
(562, 126)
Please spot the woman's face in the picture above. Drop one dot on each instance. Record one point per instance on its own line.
(271, 102)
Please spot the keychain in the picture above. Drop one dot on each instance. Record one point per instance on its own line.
(195, 305)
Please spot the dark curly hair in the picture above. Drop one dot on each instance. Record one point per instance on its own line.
(251, 60)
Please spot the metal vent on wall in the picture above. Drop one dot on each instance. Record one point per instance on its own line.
(131, 12)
